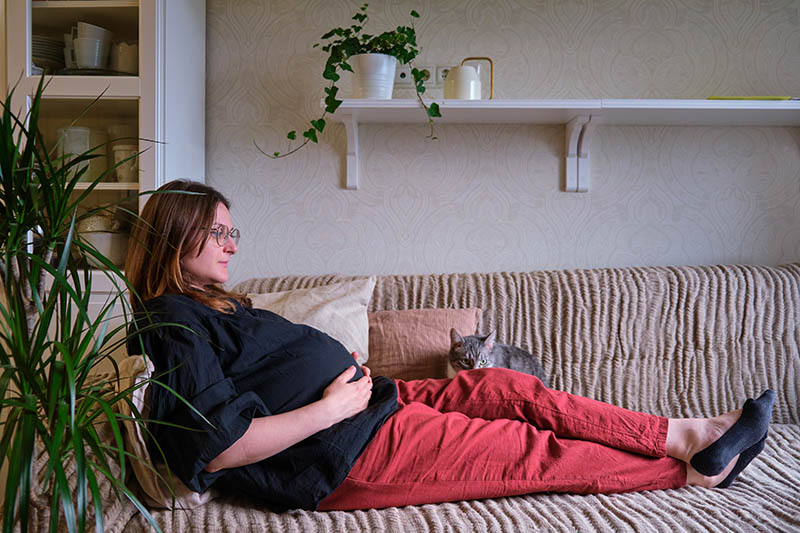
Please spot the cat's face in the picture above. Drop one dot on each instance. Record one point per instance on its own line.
(469, 352)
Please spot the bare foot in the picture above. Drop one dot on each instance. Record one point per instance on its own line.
(687, 436)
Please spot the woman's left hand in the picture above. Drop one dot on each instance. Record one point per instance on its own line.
(364, 369)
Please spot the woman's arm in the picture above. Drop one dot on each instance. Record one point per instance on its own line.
(269, 435)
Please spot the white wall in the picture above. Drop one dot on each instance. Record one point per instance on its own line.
(3, 47)
(485, 198)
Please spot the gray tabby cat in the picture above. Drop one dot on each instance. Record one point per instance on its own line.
(476, 351)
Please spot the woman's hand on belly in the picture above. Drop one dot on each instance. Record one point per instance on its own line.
(344, 399)
(269, 435)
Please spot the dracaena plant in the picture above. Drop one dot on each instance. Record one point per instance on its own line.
(52, 341)
(341, 44)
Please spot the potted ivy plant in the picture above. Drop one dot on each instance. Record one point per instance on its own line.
(348, 46)
(51, 341)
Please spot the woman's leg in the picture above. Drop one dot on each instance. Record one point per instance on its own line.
(500, 393)
(496, 393)
(424, 456)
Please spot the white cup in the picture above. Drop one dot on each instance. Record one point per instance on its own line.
(90, 52)
(77, 140)
(129, 170)
(125, 58)
(69, 56)
(462, 83)
(90, 31)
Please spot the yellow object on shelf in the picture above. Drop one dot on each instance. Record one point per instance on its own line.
(750, 98)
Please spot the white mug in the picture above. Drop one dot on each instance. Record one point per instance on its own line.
(129, 170)
(462, 83)
(69, 52)
(90, 52)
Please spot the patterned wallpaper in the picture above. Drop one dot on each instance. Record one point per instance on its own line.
(488, 197)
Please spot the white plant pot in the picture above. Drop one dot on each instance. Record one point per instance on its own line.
(373, 75)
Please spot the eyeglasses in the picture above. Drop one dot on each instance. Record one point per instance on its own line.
(221, 234)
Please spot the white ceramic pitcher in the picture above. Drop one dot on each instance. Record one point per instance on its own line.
(462, 83)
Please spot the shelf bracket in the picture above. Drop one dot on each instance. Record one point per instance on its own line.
(578, 140)
(351, 127)
(574, 129)
(584, 163)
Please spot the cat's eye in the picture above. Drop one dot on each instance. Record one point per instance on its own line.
(483, 362)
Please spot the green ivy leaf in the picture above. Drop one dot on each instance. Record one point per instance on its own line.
(276, 154)
(319, 124)
(332, 104)
(342, 43)
(330, 73)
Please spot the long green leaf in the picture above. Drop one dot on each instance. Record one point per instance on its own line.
(13, 481)
(97, 499)
(80, 472)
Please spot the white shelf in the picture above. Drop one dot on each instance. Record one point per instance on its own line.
(700, 112)
(468, 111)
(83, 87)
(580, 117)
(108, 186)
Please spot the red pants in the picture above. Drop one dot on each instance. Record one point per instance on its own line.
(495, 432)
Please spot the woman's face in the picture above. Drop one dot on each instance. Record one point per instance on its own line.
(211, 265)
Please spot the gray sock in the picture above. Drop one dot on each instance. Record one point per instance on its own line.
(745, 433)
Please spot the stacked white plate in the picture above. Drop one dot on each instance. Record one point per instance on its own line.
(47, 52)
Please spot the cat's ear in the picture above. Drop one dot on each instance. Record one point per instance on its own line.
(489, 341)
(455, 337)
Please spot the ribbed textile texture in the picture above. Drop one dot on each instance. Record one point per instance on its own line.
(673, 341)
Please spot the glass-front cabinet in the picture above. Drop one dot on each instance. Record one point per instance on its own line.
(126, 75)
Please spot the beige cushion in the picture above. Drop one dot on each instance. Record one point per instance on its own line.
(154, 483)
(413, 344)
(338, 309)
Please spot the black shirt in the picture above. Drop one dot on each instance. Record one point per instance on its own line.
(235, 367)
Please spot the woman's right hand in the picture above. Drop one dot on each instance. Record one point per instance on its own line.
(345, 399)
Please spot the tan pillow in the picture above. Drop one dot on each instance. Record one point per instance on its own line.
(338, 309)
(414, 344)
(132, 370)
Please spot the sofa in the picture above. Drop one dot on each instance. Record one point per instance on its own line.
(675, 341)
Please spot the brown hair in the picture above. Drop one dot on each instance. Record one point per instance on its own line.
(172, 224)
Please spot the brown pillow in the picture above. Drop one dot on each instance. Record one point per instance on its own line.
(413, 344)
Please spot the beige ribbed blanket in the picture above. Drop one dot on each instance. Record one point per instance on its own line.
(674, 341)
